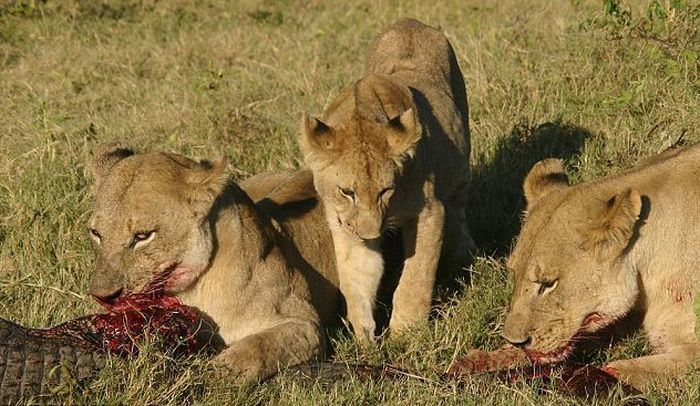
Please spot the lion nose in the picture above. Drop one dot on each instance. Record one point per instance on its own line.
(107, 297)
(516, 340)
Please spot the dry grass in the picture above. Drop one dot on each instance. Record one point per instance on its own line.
(207, 78)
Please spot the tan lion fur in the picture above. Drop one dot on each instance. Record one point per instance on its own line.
(590, 254)
(392, 150)
(263, 274)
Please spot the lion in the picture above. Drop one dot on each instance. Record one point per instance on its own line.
(262, 274)
(590, 254)
(392, 151)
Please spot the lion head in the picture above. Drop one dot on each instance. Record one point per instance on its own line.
(568, 262)
(359, 154)
(150, 218)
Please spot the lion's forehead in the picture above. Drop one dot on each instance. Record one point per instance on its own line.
(540, 263)
(364, 171)
(377, 175)
(127, 187)
(134, 207)
(547, 243)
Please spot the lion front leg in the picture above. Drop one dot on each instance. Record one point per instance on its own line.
(659, 368)
(458, 245)
(360, 268)
(261, 355)
(422, 239)
(456, 218)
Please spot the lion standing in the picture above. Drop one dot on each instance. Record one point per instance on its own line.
(393, 150)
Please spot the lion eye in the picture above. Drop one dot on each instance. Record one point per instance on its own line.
(95, 235)
(386, 193)
(347, 193)
(141, 238)
(546, 286)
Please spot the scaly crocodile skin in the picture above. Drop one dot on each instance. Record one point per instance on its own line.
(31, 364)
(32, 361)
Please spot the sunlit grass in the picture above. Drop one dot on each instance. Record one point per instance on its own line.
(208, 78)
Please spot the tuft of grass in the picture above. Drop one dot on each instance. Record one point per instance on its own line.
(601, 84)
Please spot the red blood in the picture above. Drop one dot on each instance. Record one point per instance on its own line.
(572, 378)
(479, 361)
(131, 319)
(611, 371)
(510, 365)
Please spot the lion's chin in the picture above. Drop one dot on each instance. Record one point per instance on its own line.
(592, 323)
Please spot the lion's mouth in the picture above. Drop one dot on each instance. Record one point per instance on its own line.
(591, 323)
(551, 357)
(153, 291)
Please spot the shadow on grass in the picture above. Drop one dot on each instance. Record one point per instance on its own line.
(496, 199)
(495, 202)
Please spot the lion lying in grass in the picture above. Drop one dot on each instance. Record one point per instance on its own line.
(263, 274)
(590, 254)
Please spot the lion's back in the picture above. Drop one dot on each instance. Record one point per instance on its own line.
(421, 58)
(290, 200)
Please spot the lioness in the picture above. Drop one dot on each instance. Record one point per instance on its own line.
(392, 150)
(263, 275)
(589, 254)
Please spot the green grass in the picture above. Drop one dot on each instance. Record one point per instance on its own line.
(211, 78)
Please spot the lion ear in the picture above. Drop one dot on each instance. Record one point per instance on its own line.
(316, 139)
(207, 181)
(613, 225)
(545, 177)
(106, 156)
(404, 134)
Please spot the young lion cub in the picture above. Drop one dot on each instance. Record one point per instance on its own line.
(263, 274)
(393, 151)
